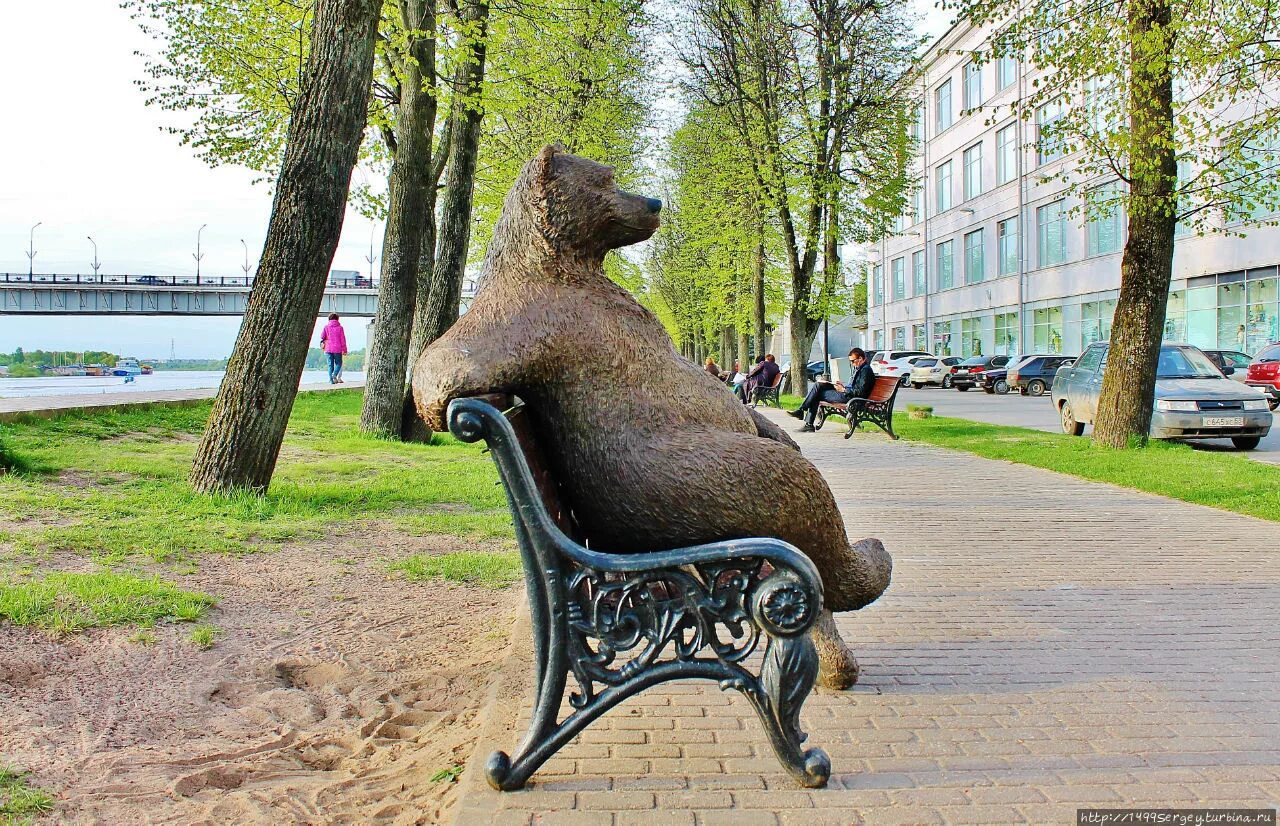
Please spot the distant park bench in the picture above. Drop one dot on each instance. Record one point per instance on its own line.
(770, 394)
(620, 623)
(877, 408)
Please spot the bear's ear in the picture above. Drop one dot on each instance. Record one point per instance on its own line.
(544, 163)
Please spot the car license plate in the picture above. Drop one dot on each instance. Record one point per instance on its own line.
(1224, 421)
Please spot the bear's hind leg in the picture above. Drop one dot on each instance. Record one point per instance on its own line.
(837, 667)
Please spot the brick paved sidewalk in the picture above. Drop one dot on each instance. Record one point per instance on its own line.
(1047, 643)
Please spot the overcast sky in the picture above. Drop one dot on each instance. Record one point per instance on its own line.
(83, 156)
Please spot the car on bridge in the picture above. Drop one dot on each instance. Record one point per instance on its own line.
(149, 279)
(1193, 399)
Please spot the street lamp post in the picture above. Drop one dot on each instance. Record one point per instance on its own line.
(197, 254)
(96, 263)
(245, 265)
(31, 251)
(371, 258)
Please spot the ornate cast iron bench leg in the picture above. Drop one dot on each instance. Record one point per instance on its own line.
(622, 623)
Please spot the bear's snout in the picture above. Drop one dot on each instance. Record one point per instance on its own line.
(653, 205)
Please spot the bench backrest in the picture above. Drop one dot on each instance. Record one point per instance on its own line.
(883, 389)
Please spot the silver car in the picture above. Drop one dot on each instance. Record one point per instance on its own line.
(1193, 399)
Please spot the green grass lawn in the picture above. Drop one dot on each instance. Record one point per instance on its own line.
(1227, 481)
(19, 801)
(112, 487)
(1224, 480)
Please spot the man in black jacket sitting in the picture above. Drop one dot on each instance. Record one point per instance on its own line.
(858, 388)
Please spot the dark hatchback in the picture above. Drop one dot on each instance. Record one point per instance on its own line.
(1035, 376)
(968, 373)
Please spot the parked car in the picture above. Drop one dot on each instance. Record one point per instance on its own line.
(1193, 399)
(148, 279)
(933, 370)
(896, 363)
(968, 373)
(1233, 363)
(1264, 373)
(1033, 375)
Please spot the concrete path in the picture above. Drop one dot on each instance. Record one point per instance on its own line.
(1047, 644)
(1038, 414)
(46, 405)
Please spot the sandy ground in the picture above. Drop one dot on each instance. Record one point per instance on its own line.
(333, 695)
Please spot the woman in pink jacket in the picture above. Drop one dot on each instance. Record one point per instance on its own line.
(334, 341)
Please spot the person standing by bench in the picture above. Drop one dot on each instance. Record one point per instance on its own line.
(858, 388)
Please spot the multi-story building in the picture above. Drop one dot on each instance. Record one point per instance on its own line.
(991, 259)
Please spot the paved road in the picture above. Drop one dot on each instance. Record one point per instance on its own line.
(1076, 645)
(49, 404)
(1038, 413)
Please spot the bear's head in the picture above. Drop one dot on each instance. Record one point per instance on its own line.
(579, 207)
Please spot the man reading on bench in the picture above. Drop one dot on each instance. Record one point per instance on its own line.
(858, 388)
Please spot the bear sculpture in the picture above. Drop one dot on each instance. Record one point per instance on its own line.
(650, 451)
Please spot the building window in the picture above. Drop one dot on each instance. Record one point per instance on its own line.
(942, 184)
(1104, 105)
(1007, 154)
(917, 125)
(1105, 228)
(1263, 323)
(1095, 321)
(972, 86)
(920, 337)
(919, 279)
(1006, 334)
(1051, 240)
(942, 106)
(942, 338)
(1175, 317)
(973, 171)
(1049, 140)
(944, 266)
(1007, 245)
(898, 268)
(917, 202)
(877, 284)
(973, 258)
(1006, 72)
(1046, 330)
(878, 339)
(899, 338)
(971, 337)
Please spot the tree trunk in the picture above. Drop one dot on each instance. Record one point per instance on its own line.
(1128, 386)
(455, 222)
(757, 302)
(744, 348)
(408, 214)
(242, 441)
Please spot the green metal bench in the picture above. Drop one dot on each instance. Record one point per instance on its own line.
(620, 623)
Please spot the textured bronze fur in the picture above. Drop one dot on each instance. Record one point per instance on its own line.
(652, 451)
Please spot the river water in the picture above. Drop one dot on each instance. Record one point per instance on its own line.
(159, 380)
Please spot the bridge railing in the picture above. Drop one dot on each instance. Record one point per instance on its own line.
(238, 282)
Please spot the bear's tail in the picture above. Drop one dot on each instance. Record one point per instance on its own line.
(860, 578)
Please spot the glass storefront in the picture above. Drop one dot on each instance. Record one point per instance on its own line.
(1006, 334)
(1175, 317)
(920, 337)
(1095, 321)
(942, 338)
(1261, 320)
(970, 337)
(899, 338)
(1047, 329)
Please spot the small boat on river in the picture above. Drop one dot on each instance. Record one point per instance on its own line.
(127, 367)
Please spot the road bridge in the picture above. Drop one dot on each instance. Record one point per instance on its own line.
(78, 294)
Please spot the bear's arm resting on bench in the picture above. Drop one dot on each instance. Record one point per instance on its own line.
(476, 359)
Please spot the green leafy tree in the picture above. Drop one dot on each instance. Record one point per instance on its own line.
(819, 92)
(1174, 99)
